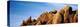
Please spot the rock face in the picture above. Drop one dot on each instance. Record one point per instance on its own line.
(65, 15)
(57, 18)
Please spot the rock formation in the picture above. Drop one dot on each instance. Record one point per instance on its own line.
(27, 22)
(65, 15)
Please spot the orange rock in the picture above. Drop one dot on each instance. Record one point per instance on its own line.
(57, 18)
(65, 15)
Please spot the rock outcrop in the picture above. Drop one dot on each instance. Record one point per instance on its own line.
(65, 15)
(27, 22)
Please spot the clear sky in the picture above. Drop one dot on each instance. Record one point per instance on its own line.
(21, 10)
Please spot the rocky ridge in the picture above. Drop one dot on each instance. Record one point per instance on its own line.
(65, 15)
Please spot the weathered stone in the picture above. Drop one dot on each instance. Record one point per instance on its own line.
(57, 18)
(65, 15)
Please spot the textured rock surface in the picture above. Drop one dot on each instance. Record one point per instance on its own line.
(65, 15)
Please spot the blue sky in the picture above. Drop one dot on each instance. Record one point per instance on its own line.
(21, 10)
